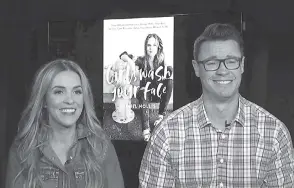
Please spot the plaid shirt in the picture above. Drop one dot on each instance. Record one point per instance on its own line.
(185, 150)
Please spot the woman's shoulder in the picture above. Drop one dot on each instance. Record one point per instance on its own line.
(106, 147)
(13, 150)
(100, 141)
(140, 59)
(15, 144)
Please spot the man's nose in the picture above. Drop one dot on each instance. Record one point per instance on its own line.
(222, 70)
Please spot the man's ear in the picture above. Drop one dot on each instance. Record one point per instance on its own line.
(242, 64)
(196, 67)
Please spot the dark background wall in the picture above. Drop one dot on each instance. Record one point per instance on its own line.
(267, 80)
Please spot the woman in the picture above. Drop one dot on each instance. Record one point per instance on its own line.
(151, 62)
(60, 142)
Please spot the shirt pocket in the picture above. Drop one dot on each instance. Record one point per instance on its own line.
(80, 175)
(49, 176)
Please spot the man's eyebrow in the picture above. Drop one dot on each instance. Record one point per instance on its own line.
(209, 58)
(232, 56)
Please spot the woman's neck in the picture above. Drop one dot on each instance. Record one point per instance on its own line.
(63, 136)
(150, 59)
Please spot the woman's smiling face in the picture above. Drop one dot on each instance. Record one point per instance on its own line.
(64, 99)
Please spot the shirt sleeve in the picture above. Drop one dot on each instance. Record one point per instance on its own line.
(156, 169)
(113, 171)
(13, 169)
(281, 165)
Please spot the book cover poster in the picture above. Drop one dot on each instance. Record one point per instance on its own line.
(137, 75)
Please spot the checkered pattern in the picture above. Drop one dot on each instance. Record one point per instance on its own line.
(185, 150)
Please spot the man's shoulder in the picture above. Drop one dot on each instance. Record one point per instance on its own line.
(173, 123)
(184, 110)
(259, 113)
(257, 110)
(183, 113)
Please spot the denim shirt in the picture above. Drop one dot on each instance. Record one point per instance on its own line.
(70, 175)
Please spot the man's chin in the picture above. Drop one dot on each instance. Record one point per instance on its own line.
(227, 96)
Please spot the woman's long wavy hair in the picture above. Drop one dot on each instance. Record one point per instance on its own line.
(33, 120)
(159, 57)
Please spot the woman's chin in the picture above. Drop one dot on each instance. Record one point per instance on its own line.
(68, 124)
(151, 55)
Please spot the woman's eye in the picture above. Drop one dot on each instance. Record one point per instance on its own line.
(58, 92)
(78, 92)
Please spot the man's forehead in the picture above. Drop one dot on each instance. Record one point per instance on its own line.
(219, 48)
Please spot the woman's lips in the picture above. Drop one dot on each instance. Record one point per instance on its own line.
(68, 110)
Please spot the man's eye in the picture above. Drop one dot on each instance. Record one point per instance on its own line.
(231, 61)
(211, 62)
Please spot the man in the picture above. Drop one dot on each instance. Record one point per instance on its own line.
(221, 139)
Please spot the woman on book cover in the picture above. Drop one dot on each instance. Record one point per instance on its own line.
(157, 75)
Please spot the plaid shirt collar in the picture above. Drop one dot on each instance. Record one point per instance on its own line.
(202, 119)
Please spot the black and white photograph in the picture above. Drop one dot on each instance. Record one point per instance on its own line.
(138, 75)
(146, 94)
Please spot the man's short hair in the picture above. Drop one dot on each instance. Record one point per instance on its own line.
(215, 32)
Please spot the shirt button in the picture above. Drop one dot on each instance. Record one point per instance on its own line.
(221, 160)
(223, 136)
(221, 185)
(70, 157)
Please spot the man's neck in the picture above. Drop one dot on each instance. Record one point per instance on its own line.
(221, 112)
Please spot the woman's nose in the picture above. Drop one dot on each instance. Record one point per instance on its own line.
(69, 99)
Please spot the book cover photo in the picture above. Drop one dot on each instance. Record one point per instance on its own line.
(137, 75)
